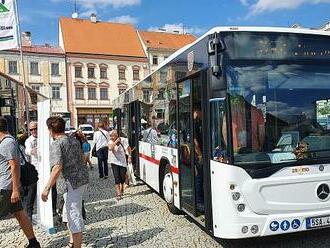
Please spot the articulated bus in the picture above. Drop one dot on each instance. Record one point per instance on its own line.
(234, 130)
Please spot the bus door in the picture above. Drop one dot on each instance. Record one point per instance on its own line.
(191, 138)
(134, 127)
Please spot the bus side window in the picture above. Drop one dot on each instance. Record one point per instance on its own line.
(218, 131)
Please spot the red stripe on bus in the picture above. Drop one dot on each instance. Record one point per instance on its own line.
(175, 170)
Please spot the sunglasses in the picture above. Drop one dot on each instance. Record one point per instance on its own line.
(33, 129)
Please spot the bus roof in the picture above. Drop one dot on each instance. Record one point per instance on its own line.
(237, 29)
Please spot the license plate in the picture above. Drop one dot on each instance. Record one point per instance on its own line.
(316, 222)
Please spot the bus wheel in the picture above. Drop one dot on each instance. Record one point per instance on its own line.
(168, 190)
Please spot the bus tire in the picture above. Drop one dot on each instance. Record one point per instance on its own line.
(168, 190)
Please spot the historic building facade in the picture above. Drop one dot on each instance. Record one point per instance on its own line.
(160, 45)
(103, 60)
(44, 69)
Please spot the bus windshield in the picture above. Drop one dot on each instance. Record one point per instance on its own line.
(280, 113)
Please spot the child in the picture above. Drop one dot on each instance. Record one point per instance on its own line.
(86, 149)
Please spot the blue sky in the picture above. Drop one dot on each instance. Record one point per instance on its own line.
(197, 16)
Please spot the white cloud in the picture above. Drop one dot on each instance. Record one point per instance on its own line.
(87, 14)
(244, 2)
(180, 28)
(93, 4)
(124, 19)
(272, 5)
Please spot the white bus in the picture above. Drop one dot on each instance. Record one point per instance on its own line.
(234, 130)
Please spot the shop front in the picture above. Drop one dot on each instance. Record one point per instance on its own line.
(94, 116)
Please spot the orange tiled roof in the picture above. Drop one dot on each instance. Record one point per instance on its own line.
(106, 38)
(41, 49)
(167, 41)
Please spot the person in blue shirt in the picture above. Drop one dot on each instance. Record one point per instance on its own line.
(87, 149)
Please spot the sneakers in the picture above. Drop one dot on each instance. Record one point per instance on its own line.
(35, 245)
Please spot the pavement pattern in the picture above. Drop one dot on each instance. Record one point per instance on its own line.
(141, 219)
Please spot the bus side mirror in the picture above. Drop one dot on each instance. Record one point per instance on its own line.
(216, 47)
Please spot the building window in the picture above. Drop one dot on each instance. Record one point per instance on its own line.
(56, 92)
(34, 68)
(136, 74)
(12, 67)
(7, 84)
(55, 70)
(79, 93)
(103, 73)
(122, 73)
(146, 95)
(160, 113)
(36, 87)
(92, 93)
(155, 60)
(161, 94)
(91, 72)
(104, 94)
(163, 76)
(165, 57)
(121, 91)
(78, 72)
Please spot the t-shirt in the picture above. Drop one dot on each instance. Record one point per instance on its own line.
(101, 139)
(86, 147)
(66, 151)
(8, 151)
(150, 135)
(118, 155)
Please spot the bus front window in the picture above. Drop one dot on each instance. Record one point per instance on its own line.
(280, 113)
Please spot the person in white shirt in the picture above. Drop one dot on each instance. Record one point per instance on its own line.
(101, 139)
(31, 152)
(31, 144)
(150, 135)
(118, 149)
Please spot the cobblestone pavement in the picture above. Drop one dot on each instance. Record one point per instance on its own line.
(141, 219)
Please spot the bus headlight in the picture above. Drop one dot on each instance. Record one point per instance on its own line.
(241, 207)
(254, 229)
(236, 196)
(245, 229)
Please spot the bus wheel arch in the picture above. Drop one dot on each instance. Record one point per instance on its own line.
(166, 187)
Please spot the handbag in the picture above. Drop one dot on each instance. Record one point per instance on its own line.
(94, 147)
(29, 174)
(94, 151)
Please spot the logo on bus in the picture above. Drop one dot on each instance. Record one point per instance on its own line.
(300, 170)
(323, 191)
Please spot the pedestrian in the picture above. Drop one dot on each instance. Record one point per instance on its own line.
(117, 158)
(150, 134)
(66, 159)
(9, 183)
(87, 150)
(101, 139)
(31, 150)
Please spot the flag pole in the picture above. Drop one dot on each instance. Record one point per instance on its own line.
(19, 41)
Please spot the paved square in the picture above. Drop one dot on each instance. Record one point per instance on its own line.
(141, 219)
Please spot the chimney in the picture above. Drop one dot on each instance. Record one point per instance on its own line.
(26, 39)
(93, 18)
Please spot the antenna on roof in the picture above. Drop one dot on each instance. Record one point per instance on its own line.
(75, 13)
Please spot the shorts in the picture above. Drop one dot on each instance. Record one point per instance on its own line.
(6, 206)
(119, 173)
(72, 209)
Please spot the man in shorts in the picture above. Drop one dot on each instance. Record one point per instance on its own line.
(9, 183)
(66, 158)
